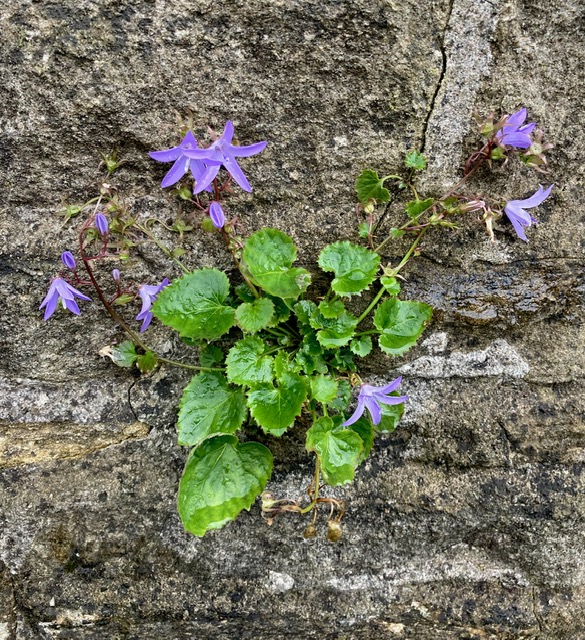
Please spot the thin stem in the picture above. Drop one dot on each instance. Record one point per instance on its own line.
(161, 246)
(371, 305)
(316, 482)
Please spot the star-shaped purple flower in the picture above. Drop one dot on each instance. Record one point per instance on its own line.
(182, 163)
(148, 294)
(60, 289)
(223, 152)
(515, 133)
(371, 398)
(521, 219)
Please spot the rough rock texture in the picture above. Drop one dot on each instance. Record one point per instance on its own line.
(468, 521)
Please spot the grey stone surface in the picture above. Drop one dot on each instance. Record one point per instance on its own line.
(468, 522)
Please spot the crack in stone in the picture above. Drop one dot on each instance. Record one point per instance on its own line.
(441, 77)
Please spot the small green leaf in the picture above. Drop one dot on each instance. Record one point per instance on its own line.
(397, 233)
(369, 185)
(323, 389)
(209, 407)
(391, 414)
(343, 397)
(415, 160)
(281, 311)
(147, 362)
(253, 316)
(269, 254)
(401, 323)
(195, 306)
(244, 293)
(391, 285)
(354, 267)
(310, 355)
(339, 450)
(275, 408)
(364, 229)
(221, 478)
(366, 432)
(343, 360)
(210, 356)
(123, 354)
(305, 310)
(331, 309)
(247, 364)
(415, 207)
(125, 298)
(336, 332)
(361, 346)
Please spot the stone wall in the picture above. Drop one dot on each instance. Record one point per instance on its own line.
(468, 521)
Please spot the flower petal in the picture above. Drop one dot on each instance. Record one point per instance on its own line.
(517, 139)
(535, 199)
(176, 172)
(390, 387)
(228, 132)
(374, 409)
(357, 414)
(71, 305)
(236, 173)
(206, 179)
(168, 155)
(250, 150)
(518, 117)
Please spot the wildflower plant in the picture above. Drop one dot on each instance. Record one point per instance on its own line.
(272, 349)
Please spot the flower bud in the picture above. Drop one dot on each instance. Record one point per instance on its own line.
(101, 222)
(216, 214)
(310, 531)
(116, 275)
(68, 260)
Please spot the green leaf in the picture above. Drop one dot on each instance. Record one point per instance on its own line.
(269, 254)
(415, 207)
(323, 389)
(275, 408)
(210, 356)
(343, 396)
(281, 311)
(354, 267)
(366, 432)
(123, 354)
(253, 316)
(369, 185)
(195, 306)
(361, 346)
(147, 362)
(396, 233)
(391, 285)
(244, 293)
(331, 309)
(209, 406)
(391, 414)
(415, 160)
(310, 355)
(401, 323)
(221, 478)
(339, 450)
(305, 310)
(343, 360)
(364, 229)
(247, 364)
(336, 332)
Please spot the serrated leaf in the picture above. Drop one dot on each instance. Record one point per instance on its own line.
(195, 306)
(343, 397)
(361, 346)
(246, 363)
(391, 285)
(305, 311)
(281, 311)
(210, 355)
(369, 185)
(415, 207)
(269, 254)
(123, 354)
(310, 355)
(401, 323)
(275, 408)
(331, 309)
(147, 361)
(339, 450)
(343, 360)
(323, 389)
(366, 432)
(391, 414)
(209, 407)
(415, 160)
(354, 267)
(244, 293)
(336, 332)
(221, 478)
(253, 316)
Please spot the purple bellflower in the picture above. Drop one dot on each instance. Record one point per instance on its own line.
(217, 215)
(182, 163)
(116, 275)
(68, 260)
(223, 152)
(101, 222)
(521, 219)
(515, 133)
(371, 398)
(60, 289)
(148, 294)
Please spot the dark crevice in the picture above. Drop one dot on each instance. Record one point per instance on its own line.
(441, 77)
